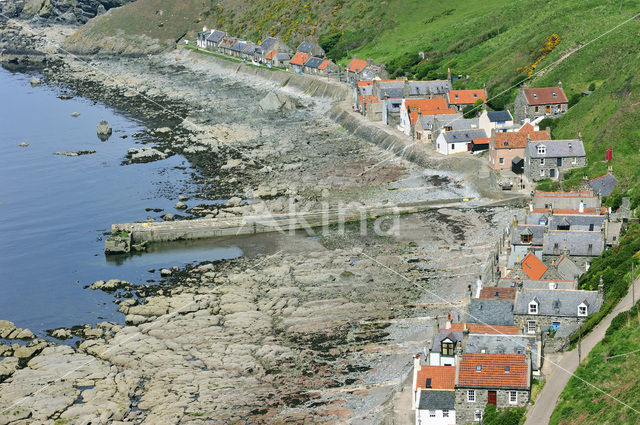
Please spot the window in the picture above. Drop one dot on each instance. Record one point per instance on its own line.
(582, 310)
(591, 227)
(536, 109)
(542, 173)
(453, 146)
(477, 415)
(526, 238)
(531, 327)
(479, 368)
(445, 413)
(501, 161)
(428, 383)
(429, 136)
(541, 161)
(542, 149)
(559, 162)
(554, 94)
(448, 128)
(507, 369)
(533, 307)
(447, 348)
(513, 397)
(432, 413)
(471, 396)
(590, 249)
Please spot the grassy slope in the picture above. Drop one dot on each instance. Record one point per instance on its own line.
(582, 404)
(488, 40)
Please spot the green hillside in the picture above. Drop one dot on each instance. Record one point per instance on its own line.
(495, 42)
(582, 404)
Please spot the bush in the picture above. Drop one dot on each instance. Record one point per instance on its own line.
(592, 86)
(575, 98)
(493, 416)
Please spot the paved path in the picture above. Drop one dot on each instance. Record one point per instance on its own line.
(561, 367)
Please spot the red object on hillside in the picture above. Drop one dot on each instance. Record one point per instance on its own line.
(609, 155)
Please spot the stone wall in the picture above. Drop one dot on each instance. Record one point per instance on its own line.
(465, 411)
(544, 322)
(532, 167)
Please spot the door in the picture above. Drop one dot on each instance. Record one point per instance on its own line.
(552, 173)
(548, 109)
(468, 147)
(493, 398)
(555, 326)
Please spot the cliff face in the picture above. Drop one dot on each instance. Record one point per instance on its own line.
(72, 12)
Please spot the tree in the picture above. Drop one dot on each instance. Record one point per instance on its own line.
(472, 111)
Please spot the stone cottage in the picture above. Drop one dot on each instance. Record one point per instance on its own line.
(552, 158)
(537, 102)
(505, 146)
(549, 309)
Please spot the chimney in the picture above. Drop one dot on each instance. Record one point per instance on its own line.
(610, 170)
(449, 74)
(530, 207)
(527, 357)
(515, 220)
(548, 130)
(448, 324)
(416, 369)
(581, 207)
(560, 84)
(478, 286)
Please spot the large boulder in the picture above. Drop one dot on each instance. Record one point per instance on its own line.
(104, 130)
(277, 102)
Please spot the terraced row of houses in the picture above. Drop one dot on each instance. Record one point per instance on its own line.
(526, 310)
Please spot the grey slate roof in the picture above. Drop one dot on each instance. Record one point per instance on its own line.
(215, 36)
(557, 148)
(536, 231)
(391, 92)
(577, 222)
(454, 336)
(464, 124)
(239, 46)
(427, 121)
(305, 47)
(577, 242)
(557, 302)
(499, 116)
(490, 312)
(567, 269)
(282, 57)
(536, 284)
(429, 87)
(458, 136)
(604, 185)
(536, 218)
(313, 62)
(249, 48)
(613, 232)
(502, 344)
(437, 400)
(268, 43)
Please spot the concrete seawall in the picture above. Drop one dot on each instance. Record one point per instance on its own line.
(307, 84)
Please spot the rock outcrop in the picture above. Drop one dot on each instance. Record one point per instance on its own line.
(70, 12)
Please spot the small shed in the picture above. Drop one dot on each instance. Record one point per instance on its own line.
(517, 165)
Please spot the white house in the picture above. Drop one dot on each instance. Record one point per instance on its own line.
(458, 141)
(433, 394)
(500, 121)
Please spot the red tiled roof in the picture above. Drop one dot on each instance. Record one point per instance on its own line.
(492, 373)
(489, 293)
(356, 65)
(533, 267)
(526, 128)
(365, 83)
(299, 59)
(475, 328)
(517, 139)
(426, 107)
(466, 97)
(565, 211)
(324, 64)
(481, 141)
(271, 54)
(544, 96)
(442, 377)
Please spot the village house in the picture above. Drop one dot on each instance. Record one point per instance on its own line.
(579, 202)
(273, 58)
(411, 109)
(201, 40)
(503, 380)
(354, 69)
(552, 158)
(458, 141)
(507, 344)
(238, 47)
(604, 185)
(549, 309)
(296, 63)
(490, 312)
(499, 121)
(428, 125)
(270, 44)
(426, 89)
(536, 102)
(310, 48)
(226, 44)
(374, 72)
(433, 395)
(361, 89)
(576, 243)
(320, 66)
(505, 147)
(214, 39)
(442, 351)
(458, 99)
(373, 108)
(312, 64)
(568, 269)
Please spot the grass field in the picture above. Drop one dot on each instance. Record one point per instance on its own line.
(619, 377)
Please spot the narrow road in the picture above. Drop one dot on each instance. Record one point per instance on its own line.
(562, 367)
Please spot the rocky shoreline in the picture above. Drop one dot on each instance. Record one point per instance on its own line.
(321, 333)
